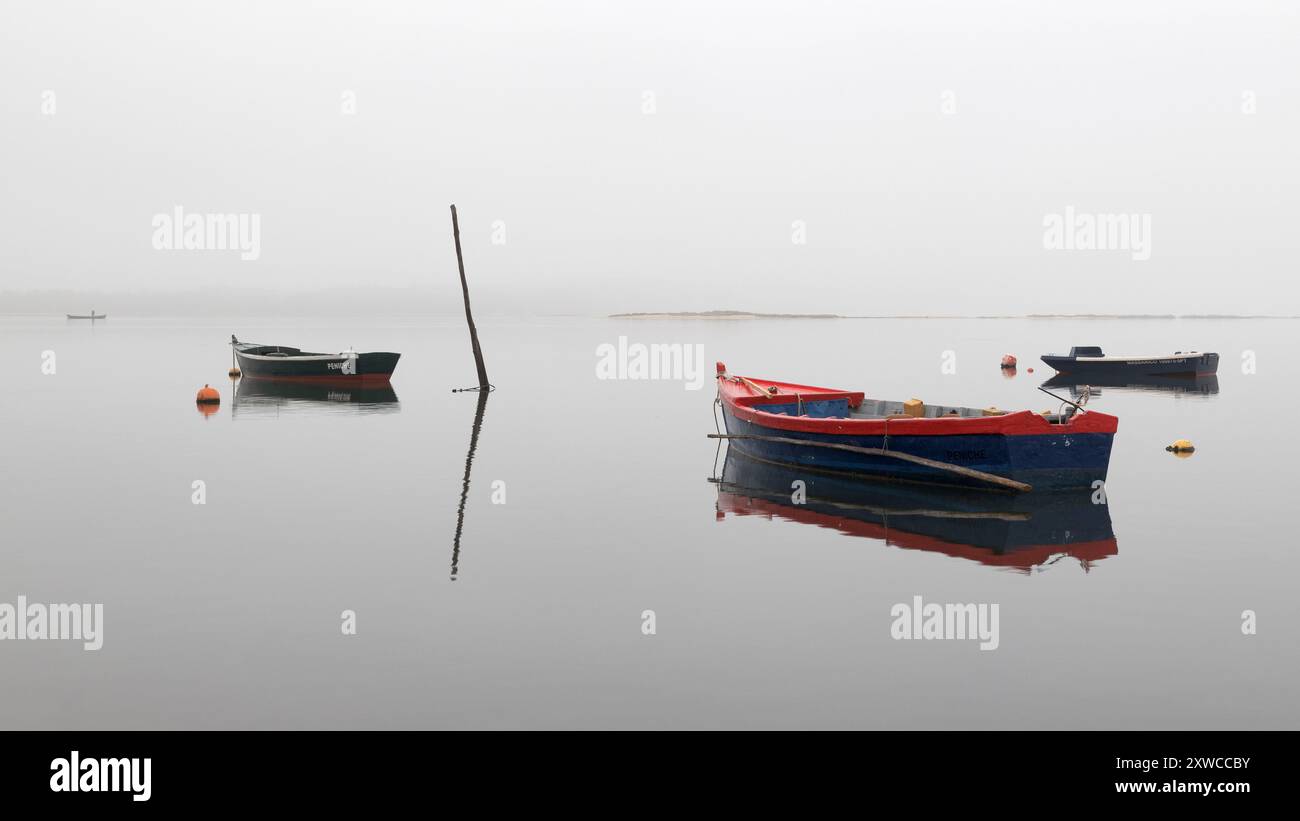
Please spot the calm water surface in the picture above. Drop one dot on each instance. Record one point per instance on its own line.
(227, 615)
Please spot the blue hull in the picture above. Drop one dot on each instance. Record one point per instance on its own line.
(1004, 525)
(1052, 461)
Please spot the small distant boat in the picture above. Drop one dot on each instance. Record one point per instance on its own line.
(258, 361)
(91, 315)
(844, 433)
(1086, 360)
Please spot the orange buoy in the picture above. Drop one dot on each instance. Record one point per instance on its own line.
(208, 396)
(1008, 361)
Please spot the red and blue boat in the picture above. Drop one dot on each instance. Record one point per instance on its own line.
(844, 433)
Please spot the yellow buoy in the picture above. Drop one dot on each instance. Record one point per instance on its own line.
(233, 373)
(1181, 448)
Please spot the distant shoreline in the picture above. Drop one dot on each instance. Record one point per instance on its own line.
(720, 315)
(757, 315)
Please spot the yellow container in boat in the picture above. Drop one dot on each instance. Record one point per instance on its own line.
(914, 408)
(992, 411)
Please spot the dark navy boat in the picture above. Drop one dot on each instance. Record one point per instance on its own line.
(1087, 360)
(844, 433)
(1014, 531)
(281, 362)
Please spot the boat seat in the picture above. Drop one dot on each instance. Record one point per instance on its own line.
(880, 409)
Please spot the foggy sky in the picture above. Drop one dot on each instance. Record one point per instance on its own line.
(531, 114)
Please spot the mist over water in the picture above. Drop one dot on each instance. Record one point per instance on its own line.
(862, 158)
(227, 614)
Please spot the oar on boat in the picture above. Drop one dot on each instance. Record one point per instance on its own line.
(757, 388)
(991, 478)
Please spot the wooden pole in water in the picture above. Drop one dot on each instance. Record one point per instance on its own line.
(469, 317)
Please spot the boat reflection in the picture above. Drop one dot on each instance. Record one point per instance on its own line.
(1207, 385)
(272, 397)
(1013, 531)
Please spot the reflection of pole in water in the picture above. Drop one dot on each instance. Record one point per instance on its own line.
(464, 490)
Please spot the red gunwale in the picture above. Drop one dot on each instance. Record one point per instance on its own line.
(747, 405)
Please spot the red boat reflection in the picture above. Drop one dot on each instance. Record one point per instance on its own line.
(1019, 532)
